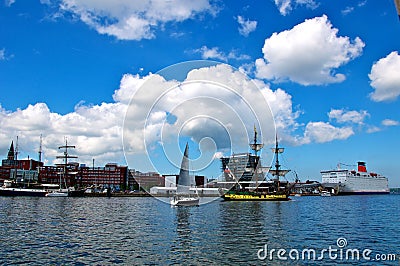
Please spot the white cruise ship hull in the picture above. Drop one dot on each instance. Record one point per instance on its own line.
(346, 182)
(360, 186)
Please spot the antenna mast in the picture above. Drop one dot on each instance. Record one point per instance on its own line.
(40, 149)
(16, 150)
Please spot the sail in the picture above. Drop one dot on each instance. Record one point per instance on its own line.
(256, 146)
(281, 172)
(278, 150)
(184, 182)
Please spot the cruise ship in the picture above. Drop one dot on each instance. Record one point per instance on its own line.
(343, 181)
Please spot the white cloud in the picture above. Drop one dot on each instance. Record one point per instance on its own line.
(309, 54)
(2, 54)
(133, 20)
(215, 53)
(373, 129)
(9, 3)
(246, 26)
(321, 132)
(347, 10)
(390, 122)
(286, 6)
(385, 78)
(95, 130)
(211, 53)
(343, 116)
(211, 103)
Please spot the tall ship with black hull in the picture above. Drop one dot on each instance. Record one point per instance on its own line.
(256, 189)
(348, 182)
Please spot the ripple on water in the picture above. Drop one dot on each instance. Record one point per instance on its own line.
(132, 231)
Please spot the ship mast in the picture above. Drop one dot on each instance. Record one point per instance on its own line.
(66, 156)
(277, 171)
(255, 146)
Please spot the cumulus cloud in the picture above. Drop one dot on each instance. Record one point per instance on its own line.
(218, 93)
(309, 54)
(246, 26)
(321, 132)
(95, 130)
(344, 116)
(385, 78)
(133, 20)
(390, 122)
(286, 6)
(216, 53)
(214, 106)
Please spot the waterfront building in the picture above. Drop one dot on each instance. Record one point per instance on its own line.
(20, 170)
(241, 166)
(172, 180)
(170, 186)
(111, 175)
(52, 174)
(144, 181)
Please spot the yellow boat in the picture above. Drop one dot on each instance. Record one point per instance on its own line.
(278, 193)
(247, 196)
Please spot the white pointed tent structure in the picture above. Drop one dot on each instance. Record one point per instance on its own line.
(184, 180)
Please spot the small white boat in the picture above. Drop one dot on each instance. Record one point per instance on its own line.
(325, 193)
(185, 201)
(183, 196)
(57, 193)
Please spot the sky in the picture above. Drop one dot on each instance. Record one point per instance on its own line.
(131, 82)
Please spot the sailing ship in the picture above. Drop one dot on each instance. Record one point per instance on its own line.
(183, 197)
(276, 191)
(63, 191)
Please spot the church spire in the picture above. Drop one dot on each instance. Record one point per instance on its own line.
(11, 152)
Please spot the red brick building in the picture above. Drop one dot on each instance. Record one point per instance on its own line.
(112, 175)
(52, 174)
(12, 168)
(145, 181)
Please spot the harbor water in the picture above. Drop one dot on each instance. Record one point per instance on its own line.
(146, 231)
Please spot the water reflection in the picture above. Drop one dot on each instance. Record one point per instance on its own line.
(145, 231)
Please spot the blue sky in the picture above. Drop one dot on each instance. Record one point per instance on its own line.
(327, 69)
